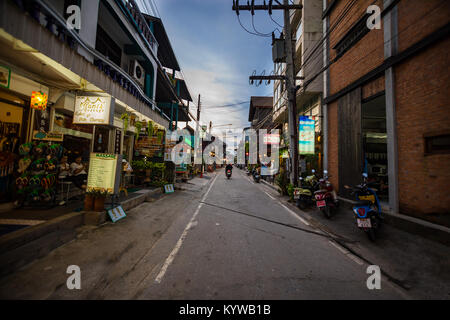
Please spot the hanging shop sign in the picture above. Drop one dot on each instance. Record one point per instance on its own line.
(118, 142)
(5, 77)
(39, 100)
(306, 135)
(94, 110)
(104, 172)
(272, 139)
(48, 136)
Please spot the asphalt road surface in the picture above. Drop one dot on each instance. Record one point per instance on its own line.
(241, 243)
(217, 239)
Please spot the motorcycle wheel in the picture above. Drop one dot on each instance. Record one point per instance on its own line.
(326, 211)
(301, 204)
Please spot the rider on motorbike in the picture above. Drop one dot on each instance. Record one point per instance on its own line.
(229, 167)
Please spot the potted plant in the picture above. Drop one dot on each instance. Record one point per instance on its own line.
(148, 165)
(89, 200)
(99, 203)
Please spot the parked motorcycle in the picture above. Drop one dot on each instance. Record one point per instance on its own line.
(326, 199)
(367, 209)
(304, 195)
(256, 176)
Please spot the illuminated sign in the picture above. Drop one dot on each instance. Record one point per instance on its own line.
(94, 110)
(306, 135)
(271, 139)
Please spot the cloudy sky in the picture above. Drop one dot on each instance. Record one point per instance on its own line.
(217, 55)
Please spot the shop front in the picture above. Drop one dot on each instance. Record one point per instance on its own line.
(23, 110)
(310, 140)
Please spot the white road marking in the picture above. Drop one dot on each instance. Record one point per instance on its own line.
(270, 196)
(295, 215)
(177, 247)
(347, 253)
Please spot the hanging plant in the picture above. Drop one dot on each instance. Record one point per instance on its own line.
(138, 127)
(125, 117)
(150, 128)
(160, 135)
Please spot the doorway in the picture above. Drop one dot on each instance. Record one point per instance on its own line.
(374, 144)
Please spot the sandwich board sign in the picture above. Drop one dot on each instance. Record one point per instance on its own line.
(116, 214)
(168, 188)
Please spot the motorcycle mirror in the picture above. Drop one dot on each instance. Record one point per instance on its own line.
(347, 187)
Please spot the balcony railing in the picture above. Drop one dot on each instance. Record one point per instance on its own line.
(139, 22)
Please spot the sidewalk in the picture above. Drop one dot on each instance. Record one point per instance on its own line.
(28, 239)
(415, 263)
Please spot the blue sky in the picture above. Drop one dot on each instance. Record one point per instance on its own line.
(217, 55)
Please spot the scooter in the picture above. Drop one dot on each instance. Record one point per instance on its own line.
(304, 194)
(367, 210)
(326, 200)
(256, 176)
(228, 174)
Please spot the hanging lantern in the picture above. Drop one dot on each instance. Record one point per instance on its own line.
(39, 100)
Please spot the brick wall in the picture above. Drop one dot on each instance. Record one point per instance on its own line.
(422, 105)
(418, 18)
(364, 56)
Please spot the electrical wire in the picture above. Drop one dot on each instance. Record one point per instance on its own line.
(255, 34)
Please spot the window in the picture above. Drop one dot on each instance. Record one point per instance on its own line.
(299, 31)
(106, 46)
(356, 33)
(437, 144)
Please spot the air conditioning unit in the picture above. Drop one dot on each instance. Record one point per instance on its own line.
(138, 72)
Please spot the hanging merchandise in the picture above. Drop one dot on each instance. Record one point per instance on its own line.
(38, 167)
(39, 100)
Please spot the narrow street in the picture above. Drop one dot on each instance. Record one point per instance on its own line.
(233, 240)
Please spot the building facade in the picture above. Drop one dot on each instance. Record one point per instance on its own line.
(386, 102)
(106, 85)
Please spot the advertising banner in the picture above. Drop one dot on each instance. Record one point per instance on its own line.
(272, 139)
(307, 127)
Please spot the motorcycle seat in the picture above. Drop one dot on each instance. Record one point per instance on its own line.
(363, 203)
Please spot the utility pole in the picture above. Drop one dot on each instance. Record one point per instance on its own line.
(199, 137)
(290, 74)
(292, 100)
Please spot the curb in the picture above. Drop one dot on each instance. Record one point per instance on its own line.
(270, 185)
(22, 247)
(19, 248)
